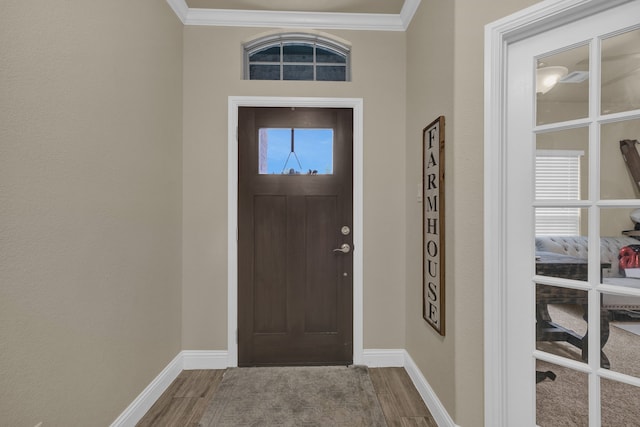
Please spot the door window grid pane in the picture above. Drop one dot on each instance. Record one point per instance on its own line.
(264, 72)
(620, 72)
(619, 403)
(298, 72)
(331, 73)
(617, 182)
(562, 85)
(557, 178)
(295, 52)
(563, 401)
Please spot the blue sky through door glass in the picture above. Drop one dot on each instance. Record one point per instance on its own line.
(312, 155)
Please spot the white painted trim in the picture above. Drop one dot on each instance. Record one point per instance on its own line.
(383, 358)
(293, 19)
(232, 212)
(290, 19)
(145, 400)
(437, 409)
(180, 8)
(409, 9)
(232, 232)
(498, 35)
(204, 359)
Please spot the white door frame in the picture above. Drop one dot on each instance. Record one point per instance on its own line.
(232, 202)
(498, 35)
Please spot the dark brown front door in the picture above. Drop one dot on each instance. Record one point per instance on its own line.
(295, 291)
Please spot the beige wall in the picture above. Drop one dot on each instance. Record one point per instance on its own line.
(445, 76)
(430, 49)
(212, 73)
(471, 17)
(93, 183)
(90, 206)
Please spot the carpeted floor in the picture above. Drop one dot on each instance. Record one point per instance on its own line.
(633, 327)
(564, 402)
(295, 396)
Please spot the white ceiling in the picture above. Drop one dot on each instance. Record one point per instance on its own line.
(374, 15)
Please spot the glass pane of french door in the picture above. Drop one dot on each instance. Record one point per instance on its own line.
(580, 211)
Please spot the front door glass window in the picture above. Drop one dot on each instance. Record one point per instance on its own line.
(295, 151)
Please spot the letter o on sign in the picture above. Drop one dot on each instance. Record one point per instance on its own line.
(432, 248)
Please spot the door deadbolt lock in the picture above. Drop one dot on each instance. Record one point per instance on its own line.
(345, 230)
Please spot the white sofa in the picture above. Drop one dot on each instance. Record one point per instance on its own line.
(577, 247)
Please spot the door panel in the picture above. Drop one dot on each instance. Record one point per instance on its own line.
(556, 317)
(295, 293)
(321, 291)
(270, 213)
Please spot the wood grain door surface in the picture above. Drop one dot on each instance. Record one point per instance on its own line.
(295, 293)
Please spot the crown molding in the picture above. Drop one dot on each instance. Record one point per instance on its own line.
(409, 9)
(180, 8)
(290, 19)
(286, 19)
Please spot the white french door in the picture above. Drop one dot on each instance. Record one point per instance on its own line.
(584, 111)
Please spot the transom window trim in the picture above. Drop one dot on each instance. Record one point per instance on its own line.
(282, 41)
(558, 178)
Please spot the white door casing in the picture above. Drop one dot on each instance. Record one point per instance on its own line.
(234, 102)
(509, 297)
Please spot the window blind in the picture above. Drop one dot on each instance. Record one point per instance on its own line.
(558, 178)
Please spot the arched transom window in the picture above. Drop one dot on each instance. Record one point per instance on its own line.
(296, 57)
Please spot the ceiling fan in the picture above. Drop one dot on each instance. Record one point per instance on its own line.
(548, 76)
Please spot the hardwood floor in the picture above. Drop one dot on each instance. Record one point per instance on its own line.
(184, 402)
(400, 401)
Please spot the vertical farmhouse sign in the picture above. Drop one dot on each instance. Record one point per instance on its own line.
(433, 224)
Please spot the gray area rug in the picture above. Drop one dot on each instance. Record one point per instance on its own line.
(295, 396)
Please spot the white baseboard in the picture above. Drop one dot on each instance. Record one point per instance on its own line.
(437, 409)
(383, 358)
(218, 359)
(185, 360)
(205, 359)
(149, 395)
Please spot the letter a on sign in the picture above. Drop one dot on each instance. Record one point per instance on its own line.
(433, 225)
